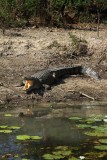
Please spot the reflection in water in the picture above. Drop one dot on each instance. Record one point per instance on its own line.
(55, 131)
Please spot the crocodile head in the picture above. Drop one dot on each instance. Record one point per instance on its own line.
(31, 83)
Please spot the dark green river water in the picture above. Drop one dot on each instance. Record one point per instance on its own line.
(67, 132)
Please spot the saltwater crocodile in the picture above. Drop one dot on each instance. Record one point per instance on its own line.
(49, 76)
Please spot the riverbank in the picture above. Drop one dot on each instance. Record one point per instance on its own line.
(25, 51)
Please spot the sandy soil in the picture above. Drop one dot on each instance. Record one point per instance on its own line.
(23, 52)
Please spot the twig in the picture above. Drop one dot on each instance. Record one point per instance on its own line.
(85, 95)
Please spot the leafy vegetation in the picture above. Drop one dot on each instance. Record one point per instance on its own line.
(27, 137)
(101, 147)
(51, 12)
(8, 129)
(60, 152)
(8, 115)
(75, 118)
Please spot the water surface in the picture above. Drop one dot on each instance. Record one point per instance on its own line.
(61, 135)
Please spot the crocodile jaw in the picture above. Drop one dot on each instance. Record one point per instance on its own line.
(28, 84)
(32, 84)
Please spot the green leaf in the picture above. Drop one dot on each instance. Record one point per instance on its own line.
(51, 156)
(73, 158)
(22, 137)
(27, 137)
(102, 128)
(8, 115)
(75, 118)
(94, 119)
(96, 133)
(82, 126)
(5, 131)
(3, 127)
(67, 153)
(103, 141)
(63, 148)
(14, 127)
(35, 137)
(101, 147)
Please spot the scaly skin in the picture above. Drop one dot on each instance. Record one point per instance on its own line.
(49, 76)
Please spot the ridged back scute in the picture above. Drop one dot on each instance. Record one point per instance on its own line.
(60, 72)
(44, 76)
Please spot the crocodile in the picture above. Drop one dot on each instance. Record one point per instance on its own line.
(48, 77)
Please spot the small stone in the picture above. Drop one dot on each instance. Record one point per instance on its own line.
(1, 84)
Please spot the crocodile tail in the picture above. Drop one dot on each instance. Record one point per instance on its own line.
(90, 73)
(77, 70)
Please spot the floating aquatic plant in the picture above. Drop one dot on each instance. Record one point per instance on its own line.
(63, 153)
(102, 128)
(73, 158)
(60, 152)
(3, 127)
(14, 127)
(8, 129)
(82, 126)
(75, 118)
(27, 137)
(101, 147)
(92, 120)
(8, 115)
(95, 133)
(94, 154)
(22, 137)
(5, 131)
(62, 148)
(52, 156)
(104, 141)
(35, 137)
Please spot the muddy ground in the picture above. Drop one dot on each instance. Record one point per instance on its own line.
(26, 51)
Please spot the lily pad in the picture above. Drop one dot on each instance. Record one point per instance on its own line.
(35, 137)
(5, 131)
(62, 148)
(67, 153)
(102, 128)
(8, 115)
(23, 137)
(3, 127)
(75, 118)
(104, 141)
(101, 147)
(14, 127)
(95, 133)
(27, 137)
(92, 120)
(93, 155)
(63, 153)
(82, 126)
(52, 157)
(73, 158)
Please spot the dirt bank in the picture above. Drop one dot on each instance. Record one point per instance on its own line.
(23, 52)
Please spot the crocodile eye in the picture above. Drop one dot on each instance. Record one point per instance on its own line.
(28, 84)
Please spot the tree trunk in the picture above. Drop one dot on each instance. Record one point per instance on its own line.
(98, 21)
